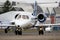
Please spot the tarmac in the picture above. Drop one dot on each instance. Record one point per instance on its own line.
(31, 35)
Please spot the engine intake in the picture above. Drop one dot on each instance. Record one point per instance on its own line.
(41, 18)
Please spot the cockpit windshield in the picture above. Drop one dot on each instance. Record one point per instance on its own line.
(22, 16)
(25, 17)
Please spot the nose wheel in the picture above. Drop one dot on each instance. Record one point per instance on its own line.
(18, 31)
(6, 31)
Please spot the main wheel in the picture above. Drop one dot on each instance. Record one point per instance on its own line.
(6, 31)
(41, 32)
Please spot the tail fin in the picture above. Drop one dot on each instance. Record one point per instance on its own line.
(35, 9)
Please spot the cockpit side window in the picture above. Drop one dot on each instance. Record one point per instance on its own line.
(27, 17)
(19, 17)
(16, 16)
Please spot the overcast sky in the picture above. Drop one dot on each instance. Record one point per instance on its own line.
(31, 0)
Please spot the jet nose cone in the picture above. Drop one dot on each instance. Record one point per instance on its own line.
(21, 22)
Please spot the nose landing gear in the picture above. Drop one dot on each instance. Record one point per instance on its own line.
(18, 31)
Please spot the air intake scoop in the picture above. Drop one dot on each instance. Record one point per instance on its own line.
(41, 18)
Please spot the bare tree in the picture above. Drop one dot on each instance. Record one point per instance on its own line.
(7, 6)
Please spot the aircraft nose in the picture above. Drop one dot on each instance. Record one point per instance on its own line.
(20, 22)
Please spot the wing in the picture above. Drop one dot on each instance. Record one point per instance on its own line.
(6, 25)
(49, 24)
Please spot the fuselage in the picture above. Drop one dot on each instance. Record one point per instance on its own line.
(23, 19)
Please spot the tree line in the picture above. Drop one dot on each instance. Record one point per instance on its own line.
(8, 7)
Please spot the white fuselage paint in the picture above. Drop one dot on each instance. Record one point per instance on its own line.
(24, 22)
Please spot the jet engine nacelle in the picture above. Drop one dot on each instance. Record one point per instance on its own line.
(41, 18)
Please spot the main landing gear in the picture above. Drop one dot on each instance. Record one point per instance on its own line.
(40, 31)
(7, 29)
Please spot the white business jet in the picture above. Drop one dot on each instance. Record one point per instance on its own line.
(21, 20)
